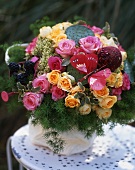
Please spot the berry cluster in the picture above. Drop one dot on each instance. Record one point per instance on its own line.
(22, 71)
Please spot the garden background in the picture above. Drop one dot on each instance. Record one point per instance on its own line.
(16, 24)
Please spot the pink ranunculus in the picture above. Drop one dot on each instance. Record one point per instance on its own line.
(97, 30)
(29, 49)
(117, 92)
(126, 82)
(32, 100)
(41, 82)
(90, 44)
(65, 48)
(57, 93)
(55, 62)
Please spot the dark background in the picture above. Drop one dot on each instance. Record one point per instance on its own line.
(15, 19)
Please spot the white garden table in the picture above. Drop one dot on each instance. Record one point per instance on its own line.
(113, 151)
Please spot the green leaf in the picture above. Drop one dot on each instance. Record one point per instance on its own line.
(35, 89)
(20, 86)
(87, 100)
(66, 61)
(81, 85)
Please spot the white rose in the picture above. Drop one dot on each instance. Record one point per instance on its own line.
(107, 42)
(85, 109)
(45, 31)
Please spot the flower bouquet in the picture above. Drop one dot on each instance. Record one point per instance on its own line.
(72, 80)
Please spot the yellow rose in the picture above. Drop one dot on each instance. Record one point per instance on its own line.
(103, 113)
(53, 76)
(107, 102)
(76, 89)
(72, 102)
(64, 83)
(59, 38)
(85, 109)
(45, 31)
(55, 33)
(62, 26)
(119, 81)
(111, 80)
(101, 93)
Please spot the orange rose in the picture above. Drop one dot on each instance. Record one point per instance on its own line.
(72, 102)
(53, 76)
(76, 89)
(54, 33)
(111, 80)
(85, 109)
(64, 83)
(103, 113)
(107, 102)
(101, 93)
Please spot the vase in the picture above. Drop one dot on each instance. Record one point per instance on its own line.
(6, 53)
(74, 140)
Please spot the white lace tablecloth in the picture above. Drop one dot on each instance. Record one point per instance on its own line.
(113, 151)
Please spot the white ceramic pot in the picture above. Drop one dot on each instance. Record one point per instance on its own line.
(6, 53)
(75, 141)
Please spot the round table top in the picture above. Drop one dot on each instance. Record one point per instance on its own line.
(114, 151)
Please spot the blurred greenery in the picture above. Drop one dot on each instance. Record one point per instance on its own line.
(16, 16)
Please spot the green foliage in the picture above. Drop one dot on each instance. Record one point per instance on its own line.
(124, 110)
(57, 143)
(58, 117)
(16, 54)
(45, 21)
(131, 54)
(72, 71)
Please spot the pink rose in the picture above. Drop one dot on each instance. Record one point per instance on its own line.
(65, 48)
(55, 62)
(41, 82)
(126, 82)
(57, 93)
(97, 30)
(90, 44)
(79, 50)
(31, 46)
(32, 100)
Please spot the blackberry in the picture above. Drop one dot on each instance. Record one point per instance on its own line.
(14, 67)
(22, 78)
(29, 67)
